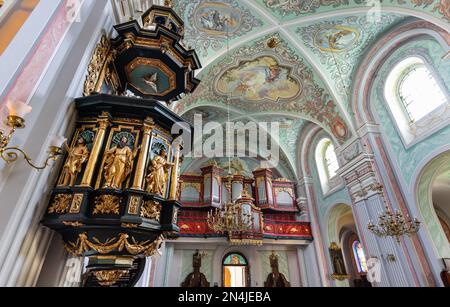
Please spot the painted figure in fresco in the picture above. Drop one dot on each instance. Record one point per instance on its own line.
(337, 260)
(276, 279)
(213, 20)
(118, 163)
(196, 279)
(157, 177)
(259, 79)
(336, 39)
(76, 157)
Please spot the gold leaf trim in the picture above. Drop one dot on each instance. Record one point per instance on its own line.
(107, 204)
(83, 245)
(60, 204)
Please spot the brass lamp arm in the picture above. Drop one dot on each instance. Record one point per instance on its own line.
(5, 138)
(11, 154)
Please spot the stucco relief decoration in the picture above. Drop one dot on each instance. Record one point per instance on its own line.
(207, 23)
(299, 7)
(303, 7)
(443, 7)
(296, 89)
(340, 44)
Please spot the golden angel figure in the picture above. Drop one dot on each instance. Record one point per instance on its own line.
(77, 156)
(118, 164)
(157, 177)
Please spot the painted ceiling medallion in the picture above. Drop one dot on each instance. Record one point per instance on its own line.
(213, 17)
(278, 78)
(339, 44)
(259, 79)
(206, 25)
(336, 38)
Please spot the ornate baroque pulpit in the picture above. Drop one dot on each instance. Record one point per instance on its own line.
(115, 199)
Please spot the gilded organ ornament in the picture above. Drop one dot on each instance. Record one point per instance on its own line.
(118, 163)
(76, 157)
(158, 172)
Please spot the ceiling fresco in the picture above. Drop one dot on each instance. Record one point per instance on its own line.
(339, 45)
(228, 81)
(287, 60)
(285, 10)
(207, 27)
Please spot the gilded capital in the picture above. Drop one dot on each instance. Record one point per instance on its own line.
(103, 120)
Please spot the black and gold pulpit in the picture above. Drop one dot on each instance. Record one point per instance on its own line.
(115, 199)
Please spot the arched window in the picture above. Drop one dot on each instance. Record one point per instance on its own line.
(412, 91)
(235, 271)
(360, 257)
(327, 162)
(331, 161)
(419, 91)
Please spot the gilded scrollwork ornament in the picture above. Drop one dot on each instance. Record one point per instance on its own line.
(97, 66)
(107, 204)
(119, 244)
(60, 204)
(108, 278)
(151, 210)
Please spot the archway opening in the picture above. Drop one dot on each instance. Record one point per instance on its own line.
(343, 232)
(440, 195)
(235, 271)
(433, 194)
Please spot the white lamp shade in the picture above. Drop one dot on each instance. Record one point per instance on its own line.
(57, 141)
(18, 108)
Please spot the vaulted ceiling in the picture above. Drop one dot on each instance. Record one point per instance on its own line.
(288, 60)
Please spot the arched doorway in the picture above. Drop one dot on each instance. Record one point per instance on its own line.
(433, 194)
(236, 272)
(342, 231)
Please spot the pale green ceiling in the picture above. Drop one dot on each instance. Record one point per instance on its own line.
(307, 82)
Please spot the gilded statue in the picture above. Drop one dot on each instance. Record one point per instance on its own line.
(158, 170)
(76, 157)
(118, 164)
(337, 260)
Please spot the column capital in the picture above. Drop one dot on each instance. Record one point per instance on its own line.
(104, 120)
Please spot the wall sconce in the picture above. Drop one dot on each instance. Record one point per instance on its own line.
(15, 120)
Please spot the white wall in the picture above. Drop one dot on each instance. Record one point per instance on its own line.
(170, 266)
(24, 192)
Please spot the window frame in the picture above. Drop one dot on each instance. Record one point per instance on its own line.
(400, 81)
(327, 181)
(410, 132)
(359, 268)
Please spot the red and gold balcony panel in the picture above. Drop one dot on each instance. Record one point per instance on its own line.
(287, 230)
(193, 223)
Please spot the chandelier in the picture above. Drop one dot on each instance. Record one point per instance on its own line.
(394, 224)
(230, 219)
